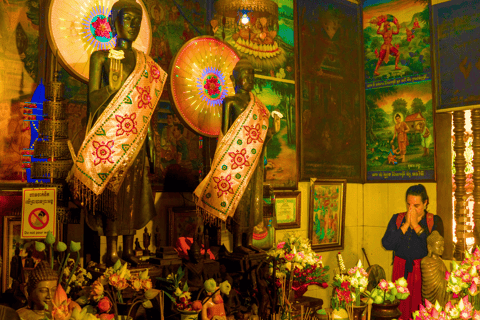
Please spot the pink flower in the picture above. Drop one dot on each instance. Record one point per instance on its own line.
(104, 305)
(428, 305)
(473, 288)
(280, 245)
(147, 284)
(383, 285)
(476, 315)
(448, 306)
(289, 256)
(447, 275)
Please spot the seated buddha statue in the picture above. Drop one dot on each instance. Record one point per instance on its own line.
(41, 287)
(434, 285)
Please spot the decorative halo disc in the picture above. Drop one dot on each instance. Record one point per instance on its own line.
(200, 80)
(76, 28)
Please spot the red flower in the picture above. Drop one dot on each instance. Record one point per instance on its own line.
(212, 86)
(104, 305)
(102, 28)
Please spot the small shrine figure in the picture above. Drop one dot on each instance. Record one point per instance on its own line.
(137, 245)
(194, 268)
(146, 242)
(16, 266)
(41, 287)
(434, 285)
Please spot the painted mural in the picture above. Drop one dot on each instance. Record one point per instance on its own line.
(18, 73)
(457, 25)
(267, 40)
(399, 112)
(400, 133)
(396, 42)
(330, 110)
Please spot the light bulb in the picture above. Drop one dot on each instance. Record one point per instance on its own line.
(245, 19)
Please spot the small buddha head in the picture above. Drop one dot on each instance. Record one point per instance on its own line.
(194, 253)
(243, 75)
(41, 286)
(435, 244)
(125, 19)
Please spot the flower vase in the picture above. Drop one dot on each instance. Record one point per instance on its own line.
(188, 315)
(386, 310)
(355, 312)
(300, 291)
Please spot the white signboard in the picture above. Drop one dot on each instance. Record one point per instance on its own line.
(38, 212)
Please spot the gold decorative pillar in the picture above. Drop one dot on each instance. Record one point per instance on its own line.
(460, 180)
(476, 172)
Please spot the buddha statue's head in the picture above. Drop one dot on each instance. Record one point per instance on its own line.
(435, 244)
(243, 75)
(125, 19)
(195, 251)
(41, 286)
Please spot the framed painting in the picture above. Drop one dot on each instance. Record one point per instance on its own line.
(326, 225)
(287, 209)
(331, 94)
(11, 240)
(456, 26)
(185, 222)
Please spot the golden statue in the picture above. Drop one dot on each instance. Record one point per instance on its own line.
(434, 285)
(234, 186)
(41, 287)
(113, 163)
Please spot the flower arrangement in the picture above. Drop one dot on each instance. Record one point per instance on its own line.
(390, 291)
(464, 278)
(349, 288)
(461, 310)
(295, 260)
(180, 294)
(106, 291)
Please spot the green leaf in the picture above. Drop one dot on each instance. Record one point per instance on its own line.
(185, 287)
(171, 298)
(147, 304)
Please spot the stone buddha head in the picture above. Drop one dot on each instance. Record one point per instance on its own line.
(41, 286)
(435, 244)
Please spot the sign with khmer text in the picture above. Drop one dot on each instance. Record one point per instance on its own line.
(38, 212)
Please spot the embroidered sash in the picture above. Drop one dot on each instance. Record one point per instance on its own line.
(236, 157)
(112, 144)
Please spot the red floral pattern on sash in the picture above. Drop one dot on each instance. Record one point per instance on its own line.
(145, 100)
(239, 159)
(126, 124)
(253, 133)
(223, 185)
(103, 152)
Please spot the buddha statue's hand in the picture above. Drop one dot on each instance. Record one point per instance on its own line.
(115, 75)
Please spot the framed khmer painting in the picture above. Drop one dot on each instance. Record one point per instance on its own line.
(326, 224)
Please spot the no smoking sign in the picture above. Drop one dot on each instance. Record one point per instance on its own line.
(39, 208)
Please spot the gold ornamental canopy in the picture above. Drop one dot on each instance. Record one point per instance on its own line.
(258, 8)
